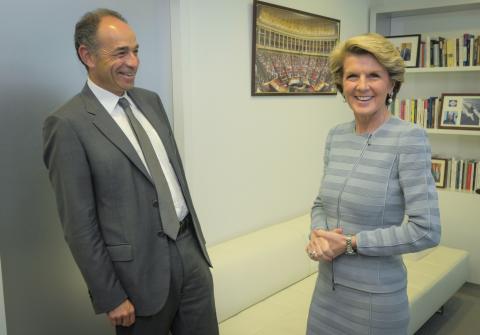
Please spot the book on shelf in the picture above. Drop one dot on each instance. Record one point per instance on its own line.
(459, 174)
(451, 52)
(459, 52)
(422, 54)
(423, 111)
(427, 51)
(440, 51)
(434, 52)
(476, 51)
(468, 49)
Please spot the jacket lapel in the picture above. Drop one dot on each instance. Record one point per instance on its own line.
(105, 123)
(158, 119)
(163, 130)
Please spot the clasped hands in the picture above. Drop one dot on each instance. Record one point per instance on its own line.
(326, 244)
(323, 244)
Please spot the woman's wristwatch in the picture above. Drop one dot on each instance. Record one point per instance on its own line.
(350, 251)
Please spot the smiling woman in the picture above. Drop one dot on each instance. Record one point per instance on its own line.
(376, 171)
(366, 85)
(369, 72)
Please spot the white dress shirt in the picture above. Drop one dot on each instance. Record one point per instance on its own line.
(110, 102)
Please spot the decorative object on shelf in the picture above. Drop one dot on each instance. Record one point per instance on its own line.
(408, 46)
(460, 111)
(290, 51)
(439, 171)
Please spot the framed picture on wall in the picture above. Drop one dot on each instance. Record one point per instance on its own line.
(290, 51)
(409, 48)
(439, 171)
(460, 111)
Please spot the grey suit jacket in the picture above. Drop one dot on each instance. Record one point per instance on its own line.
(107, 201)
(370, 183)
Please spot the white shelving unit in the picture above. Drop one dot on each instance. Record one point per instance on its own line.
(454, 132)
(460, 211)
(443, 69)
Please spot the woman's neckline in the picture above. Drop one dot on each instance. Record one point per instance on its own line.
(368, 133)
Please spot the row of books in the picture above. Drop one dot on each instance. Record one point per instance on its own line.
(459, 174)
(424, 112)
(448, 52)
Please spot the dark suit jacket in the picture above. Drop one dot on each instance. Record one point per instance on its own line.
(107, 201)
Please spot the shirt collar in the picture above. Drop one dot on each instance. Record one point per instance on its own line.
(106, 98)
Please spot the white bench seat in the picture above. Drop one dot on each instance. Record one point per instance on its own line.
(264, 281)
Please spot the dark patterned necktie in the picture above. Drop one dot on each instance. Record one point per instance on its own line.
(166, 207)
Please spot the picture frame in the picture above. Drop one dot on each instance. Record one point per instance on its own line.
(439, 171)
(290, 50)
(409, 48)
(460, 111)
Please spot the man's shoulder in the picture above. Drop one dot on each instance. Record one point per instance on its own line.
(143, 93)
(151, 98)
(70, 108)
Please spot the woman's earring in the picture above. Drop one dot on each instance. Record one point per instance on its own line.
(389, 98)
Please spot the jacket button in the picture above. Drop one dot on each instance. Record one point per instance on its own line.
(155, 203)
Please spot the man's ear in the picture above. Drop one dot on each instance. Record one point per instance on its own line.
(87, 57)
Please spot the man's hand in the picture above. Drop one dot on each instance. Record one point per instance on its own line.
(324, 244)
(122, 315)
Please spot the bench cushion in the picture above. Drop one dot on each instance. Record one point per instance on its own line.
(255, 266)
(433, 277)
(432, 280)
(284, 313)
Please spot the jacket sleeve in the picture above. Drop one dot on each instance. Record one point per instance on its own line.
(71, 178)
(318, 216)
(422, 229)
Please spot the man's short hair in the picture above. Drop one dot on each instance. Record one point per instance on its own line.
(86, 29)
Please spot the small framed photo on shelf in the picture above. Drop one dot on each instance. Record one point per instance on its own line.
(460, 111)
(408, 46)
(439, 171)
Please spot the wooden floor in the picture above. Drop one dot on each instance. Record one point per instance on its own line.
(461, 315)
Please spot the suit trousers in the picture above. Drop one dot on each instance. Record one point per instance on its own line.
(190, 306)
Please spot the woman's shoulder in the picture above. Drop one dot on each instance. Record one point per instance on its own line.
(343, 128)
(404, 128)
(410, 137)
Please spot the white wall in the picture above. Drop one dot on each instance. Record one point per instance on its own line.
(250, 161)
(43, 289)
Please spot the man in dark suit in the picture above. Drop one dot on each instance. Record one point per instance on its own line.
(122, 194)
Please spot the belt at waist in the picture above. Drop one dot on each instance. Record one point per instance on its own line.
(184, 224)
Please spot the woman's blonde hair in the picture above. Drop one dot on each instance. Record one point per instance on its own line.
(375, 45)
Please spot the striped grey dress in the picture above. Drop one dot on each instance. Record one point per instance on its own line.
(370, 183)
